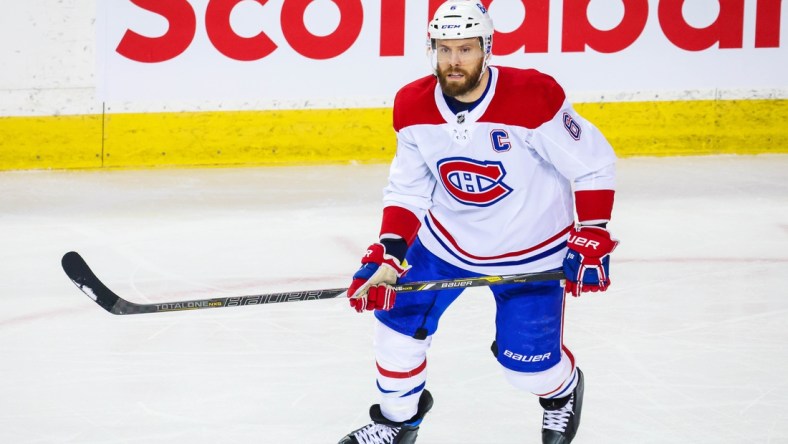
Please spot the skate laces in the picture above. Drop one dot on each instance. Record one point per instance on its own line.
(558, 419)
(376, 434)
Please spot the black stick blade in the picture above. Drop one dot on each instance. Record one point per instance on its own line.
(83, 277)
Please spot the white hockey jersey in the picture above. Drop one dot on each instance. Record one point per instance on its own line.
(493, 186)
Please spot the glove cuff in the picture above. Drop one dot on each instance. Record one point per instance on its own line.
(396, 247)
(376, 254)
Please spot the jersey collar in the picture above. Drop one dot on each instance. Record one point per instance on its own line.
(476, 111)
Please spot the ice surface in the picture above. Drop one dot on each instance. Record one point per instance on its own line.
(690, 345)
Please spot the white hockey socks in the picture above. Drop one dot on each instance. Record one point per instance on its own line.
(555, 382)
(402, 371)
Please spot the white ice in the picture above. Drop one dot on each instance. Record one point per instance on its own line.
(690, 345)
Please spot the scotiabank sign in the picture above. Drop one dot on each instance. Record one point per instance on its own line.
(278, 51)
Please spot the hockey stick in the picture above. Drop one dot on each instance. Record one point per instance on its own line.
(83, 277)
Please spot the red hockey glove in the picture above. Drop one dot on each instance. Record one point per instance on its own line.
(587, 262)
(371, 286)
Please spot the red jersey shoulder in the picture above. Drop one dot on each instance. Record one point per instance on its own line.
(524, 97)
(414, 104)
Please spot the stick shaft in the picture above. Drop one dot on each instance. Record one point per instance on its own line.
(83, 277)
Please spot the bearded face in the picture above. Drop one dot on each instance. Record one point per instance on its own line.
(456, 81)
(459, 65)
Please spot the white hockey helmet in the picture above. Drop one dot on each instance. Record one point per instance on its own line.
(461, 19)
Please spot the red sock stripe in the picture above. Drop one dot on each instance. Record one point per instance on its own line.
(544, 395)
(561, 385)
(402, 375)
(569, 355)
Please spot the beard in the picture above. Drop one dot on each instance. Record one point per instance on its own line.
(454, 89)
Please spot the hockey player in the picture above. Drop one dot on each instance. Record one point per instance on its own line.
(492, 164)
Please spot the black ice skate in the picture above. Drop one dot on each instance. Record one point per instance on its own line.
(562, 415)
(383, 431)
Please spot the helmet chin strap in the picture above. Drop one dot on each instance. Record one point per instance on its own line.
(485, 65)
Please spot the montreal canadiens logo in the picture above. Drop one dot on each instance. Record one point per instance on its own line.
(473, 182)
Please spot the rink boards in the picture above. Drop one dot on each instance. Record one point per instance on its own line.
(130, 84)
(226, 138)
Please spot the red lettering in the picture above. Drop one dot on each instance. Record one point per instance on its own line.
(578, 32)
(182, 25)
(726, 30)
(767, 24)
(392, 28)
(531, 36)
(532, 33)
(226, 41)
(321, 47)
(433, 6)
